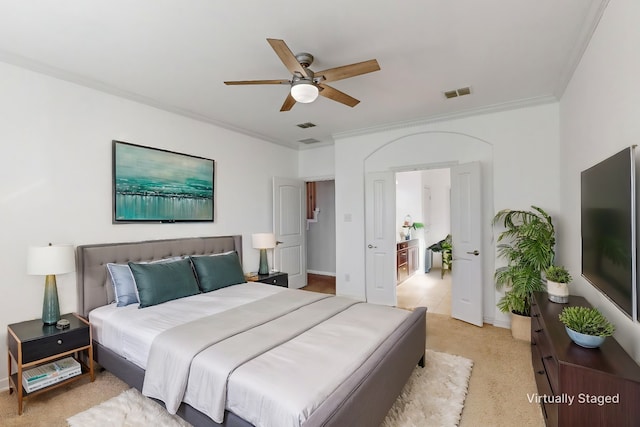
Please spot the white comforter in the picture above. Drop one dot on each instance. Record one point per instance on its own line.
(275, 373)
(129, 331)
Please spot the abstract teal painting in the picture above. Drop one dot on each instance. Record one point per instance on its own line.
(156, 185)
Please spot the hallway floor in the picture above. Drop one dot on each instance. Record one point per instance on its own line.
(422, 289)
(426, 290)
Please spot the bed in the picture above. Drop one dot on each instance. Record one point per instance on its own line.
(361, 398)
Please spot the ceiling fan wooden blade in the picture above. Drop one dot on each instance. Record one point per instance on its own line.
(336, 95)
(287, 57)
(258, 82)
(346, 71)
(288, 103)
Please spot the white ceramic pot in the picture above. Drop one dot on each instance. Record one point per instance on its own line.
(558, 292)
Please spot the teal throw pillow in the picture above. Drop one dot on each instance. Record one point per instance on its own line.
(218, 271)
(158, 283)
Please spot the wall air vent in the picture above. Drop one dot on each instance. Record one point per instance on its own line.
(457, 92)
(309, 141)
(305, 125)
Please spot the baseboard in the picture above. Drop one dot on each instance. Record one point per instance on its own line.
(321, 273)
(502, 324)
(4, 384)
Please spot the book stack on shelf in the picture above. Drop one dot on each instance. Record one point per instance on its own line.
(51, 373)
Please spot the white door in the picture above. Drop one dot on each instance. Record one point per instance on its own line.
(466, 234)
(290, 254)
(380, 258)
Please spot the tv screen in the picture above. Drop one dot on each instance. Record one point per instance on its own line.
(608, 229)
(156, 185)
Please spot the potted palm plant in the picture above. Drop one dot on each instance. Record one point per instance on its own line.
(586, 326)
(558, 279)
(527, 244)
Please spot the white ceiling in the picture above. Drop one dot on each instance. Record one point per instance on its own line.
(175, 54)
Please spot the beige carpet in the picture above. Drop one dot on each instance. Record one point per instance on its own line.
(502, 372)
(497, 396)
(433, 396)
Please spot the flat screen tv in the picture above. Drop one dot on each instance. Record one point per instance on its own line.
(608, 221)
(153, 185)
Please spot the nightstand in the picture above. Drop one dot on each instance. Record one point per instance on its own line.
(32, 343)
(277, 279)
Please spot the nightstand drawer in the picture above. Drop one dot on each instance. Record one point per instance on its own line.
(54, 344)
(277, 279)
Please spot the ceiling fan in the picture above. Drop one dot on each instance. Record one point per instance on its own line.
(305, 84)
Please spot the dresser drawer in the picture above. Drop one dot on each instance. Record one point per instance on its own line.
(549, 410)
(55, 344)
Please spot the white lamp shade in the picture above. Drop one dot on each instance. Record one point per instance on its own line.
(304, 92)
(45, 260)
(263, 240)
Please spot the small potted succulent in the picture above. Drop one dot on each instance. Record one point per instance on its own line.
(586, 326)
(558, 279)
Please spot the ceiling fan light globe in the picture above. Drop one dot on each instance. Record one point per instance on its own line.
(304, 92)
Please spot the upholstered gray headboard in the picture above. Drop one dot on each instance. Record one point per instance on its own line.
(94, 287)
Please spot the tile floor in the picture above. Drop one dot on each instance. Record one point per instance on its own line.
(426, 289)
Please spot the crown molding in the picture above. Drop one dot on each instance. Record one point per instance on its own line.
(594, 14)
(512, 105)
(80, 80)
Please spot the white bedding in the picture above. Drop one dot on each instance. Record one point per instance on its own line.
(112, 326)
(280, 387)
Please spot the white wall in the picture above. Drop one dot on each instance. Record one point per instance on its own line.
(439, 181)
(55, 179)
(518, 151)
(317, 163)
(599, 117)
(408, 200)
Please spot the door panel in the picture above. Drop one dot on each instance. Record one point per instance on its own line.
(466, 234)
(380, 238)
(288, 226)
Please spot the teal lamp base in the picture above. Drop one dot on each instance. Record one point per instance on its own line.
(50, 306)
(264, 264)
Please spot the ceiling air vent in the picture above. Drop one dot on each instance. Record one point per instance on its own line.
(309, 141)
(457, 92)
(305, 125)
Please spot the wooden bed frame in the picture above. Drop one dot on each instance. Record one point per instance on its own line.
(362, 400)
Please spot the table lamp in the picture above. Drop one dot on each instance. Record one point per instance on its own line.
(263, 241)
(49, 261)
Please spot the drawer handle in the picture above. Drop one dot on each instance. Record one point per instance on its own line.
(548, 357)
(59, 342)
(539, 330)
(541, 372)
(536, 315)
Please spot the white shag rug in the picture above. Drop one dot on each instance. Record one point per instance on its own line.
(433, 396)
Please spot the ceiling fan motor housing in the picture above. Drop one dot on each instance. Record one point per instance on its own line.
(305, 59)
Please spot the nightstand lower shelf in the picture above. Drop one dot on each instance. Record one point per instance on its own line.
(14, 383)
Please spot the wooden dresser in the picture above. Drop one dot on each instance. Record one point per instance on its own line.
(407, 259)
(580, 386)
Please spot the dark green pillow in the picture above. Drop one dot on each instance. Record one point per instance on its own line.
(218, 271)
(158, 283)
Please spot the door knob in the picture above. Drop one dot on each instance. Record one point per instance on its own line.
(370, 246)
(476, 253)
